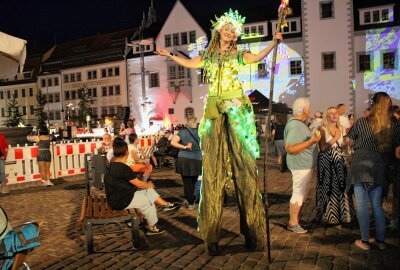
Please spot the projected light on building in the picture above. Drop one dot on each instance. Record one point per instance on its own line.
(289, 80)
(383, 46)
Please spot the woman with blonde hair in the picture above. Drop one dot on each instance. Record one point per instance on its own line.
(334, 205)
(376, 142)
(189, 164)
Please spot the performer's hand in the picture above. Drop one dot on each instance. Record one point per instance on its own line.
(163, 52)
(278, 36)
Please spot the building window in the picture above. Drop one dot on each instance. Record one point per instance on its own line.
(103, 111)
(167, 40)
(104, 91)
(181, 72)
(94, 74)
(111, 110)
(172, 72)
(56, 81)
(328, 61)
(23, 94)
(57, 97)
(94, 112)
(94, 92)
(110, 72)
(295, 67)
(51, 115)
(78, 77)
(1, 95)
(326, 10)
(103, 73)
(51, 100)
(111, 90)
(72, 77)
(246, 30)
(184, 39)
(261, 30)
(89, 75)
(73, 94)
(32, 109)
(375, 16)
(16, 93)
(3, 113)
(58, 115)
(117, 90)
(31, 92)
(388, 60)
(254, 29)
(66, 78)
(293, 26)
(385, 15)
(175, 38)
(23, 110)
(8, 94)
(43, 84)
(192, 36)
(367, 17)
(116, 71)
(49, 82)
(154, 80)
(66, 95)
(364, 62)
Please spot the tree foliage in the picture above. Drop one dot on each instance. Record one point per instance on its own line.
(84, 105)
(14, 115)
(40, 113)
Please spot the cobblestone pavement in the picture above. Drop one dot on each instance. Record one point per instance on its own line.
(63, 247)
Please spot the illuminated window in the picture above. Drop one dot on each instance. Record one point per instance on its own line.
(328, 61)
(254, 29)
(176, 39)
(184, 38)
(167, 40)
(364, 62)
(326, 10)
(154, 80)
(388, 60)
(295, 67)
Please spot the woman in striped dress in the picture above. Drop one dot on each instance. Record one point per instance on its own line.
(334, 206)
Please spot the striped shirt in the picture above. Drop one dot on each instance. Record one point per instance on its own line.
(362, 135)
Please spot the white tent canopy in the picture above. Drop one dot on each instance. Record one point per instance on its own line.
(12, 55)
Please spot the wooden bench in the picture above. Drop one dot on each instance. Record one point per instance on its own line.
(97, 217)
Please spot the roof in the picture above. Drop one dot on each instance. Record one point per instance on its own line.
(88, 51)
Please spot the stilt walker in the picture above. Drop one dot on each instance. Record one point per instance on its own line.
(283, 11)
(228, 135)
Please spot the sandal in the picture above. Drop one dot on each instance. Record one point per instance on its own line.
(362, 244)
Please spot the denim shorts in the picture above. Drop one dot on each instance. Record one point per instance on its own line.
(44, 155)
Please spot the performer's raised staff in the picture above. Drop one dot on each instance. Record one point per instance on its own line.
(228, 135)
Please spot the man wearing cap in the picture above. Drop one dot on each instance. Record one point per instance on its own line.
(163, 145)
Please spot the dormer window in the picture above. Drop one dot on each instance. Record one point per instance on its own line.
(374, 15)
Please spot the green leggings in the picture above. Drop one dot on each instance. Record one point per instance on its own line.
(228, 162)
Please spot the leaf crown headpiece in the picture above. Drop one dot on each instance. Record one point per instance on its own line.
(231, 17)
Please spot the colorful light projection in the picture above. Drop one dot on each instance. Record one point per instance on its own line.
(257, 76)
(378, 42)
(287, 87)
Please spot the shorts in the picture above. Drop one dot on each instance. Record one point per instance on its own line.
(44, 155)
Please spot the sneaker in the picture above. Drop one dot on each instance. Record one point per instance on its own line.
(170, 207)
(381, 245)
(362, 244)
(154, 229)
(4, 190)
(49, 183)
(296, 229)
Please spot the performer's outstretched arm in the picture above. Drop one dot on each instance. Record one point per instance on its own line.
(250, 58)
(195, 62)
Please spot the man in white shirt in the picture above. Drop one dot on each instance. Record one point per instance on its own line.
(343, 118)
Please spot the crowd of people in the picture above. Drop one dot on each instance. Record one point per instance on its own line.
(374, 140)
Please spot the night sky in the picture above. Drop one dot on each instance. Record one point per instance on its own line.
(44, 22)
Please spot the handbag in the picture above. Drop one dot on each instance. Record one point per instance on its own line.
(211, 110)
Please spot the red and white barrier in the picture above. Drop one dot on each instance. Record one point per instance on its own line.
(67, 159)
